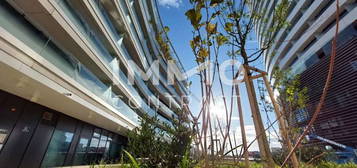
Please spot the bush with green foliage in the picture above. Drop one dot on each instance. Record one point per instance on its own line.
(156, 144)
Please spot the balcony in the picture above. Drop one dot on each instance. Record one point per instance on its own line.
(65, 62)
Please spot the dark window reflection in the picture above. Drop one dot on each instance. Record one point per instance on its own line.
(60, 143)
(93, 147)
(83, 143)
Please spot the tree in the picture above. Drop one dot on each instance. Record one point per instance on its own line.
(292, 97)
(157, 144)
(146, 142)
(180, 136)
(229, 24)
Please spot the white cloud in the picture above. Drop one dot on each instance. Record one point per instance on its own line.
(170, 3)
(250, 134)
(235, 118)
(237, 138)
(218, 110)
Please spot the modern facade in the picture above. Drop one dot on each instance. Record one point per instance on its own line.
(305, 48)
(65, 65)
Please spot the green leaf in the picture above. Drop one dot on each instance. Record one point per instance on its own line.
(203, 52)
(195, 42)
(192, 44)
(233, 15)
(166, 29)
(132, 159)
(228, 27)
(200, 5)
(202, 55)
(211, 28)
(221, 39)
(194, 16)
(215, 2)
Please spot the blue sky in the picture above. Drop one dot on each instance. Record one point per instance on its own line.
(172, 13)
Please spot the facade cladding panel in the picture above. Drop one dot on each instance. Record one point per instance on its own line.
(35, 136)
(336, 120)
(67, 99)
(305, 47)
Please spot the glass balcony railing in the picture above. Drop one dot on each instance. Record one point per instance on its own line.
(152, 98)
(143, 105)
(97, 44)
(126, 55)
(87, 79)
(163, 63)
(85, 30)
(134, 32)
(105, 17)
(19, 27)
(114, 33)
(164, 90)
(153, 113)
(99, 47)
(164, 120)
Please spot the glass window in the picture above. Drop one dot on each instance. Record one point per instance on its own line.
(83, 143)
(93, 147)
(116, 147)
(301, 115)
(3, 134)
(60, 143)
(102, 143)
(101, 147)
(107, 146)
(312, 60)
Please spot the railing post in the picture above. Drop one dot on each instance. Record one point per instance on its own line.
(282, 123)
(265, 153)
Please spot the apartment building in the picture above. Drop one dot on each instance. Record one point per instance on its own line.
(66, 97)
(305, 48)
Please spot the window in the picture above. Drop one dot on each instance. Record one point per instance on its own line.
(301, 115)
(115, 147)
(310, 44)
(60, 143)
(83, 143)
(332, 23)
(312, 60)
(294, 61)
(320, 54)
(102, 145)
(9, 112)
(107, 146)
(323, 9)
(93, 147)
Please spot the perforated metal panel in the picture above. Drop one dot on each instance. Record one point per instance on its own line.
(338, 118)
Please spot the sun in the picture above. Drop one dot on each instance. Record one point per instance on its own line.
(218, 110)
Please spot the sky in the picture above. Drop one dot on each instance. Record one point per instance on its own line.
(173, 15)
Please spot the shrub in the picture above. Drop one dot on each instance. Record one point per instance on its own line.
(156, 144)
